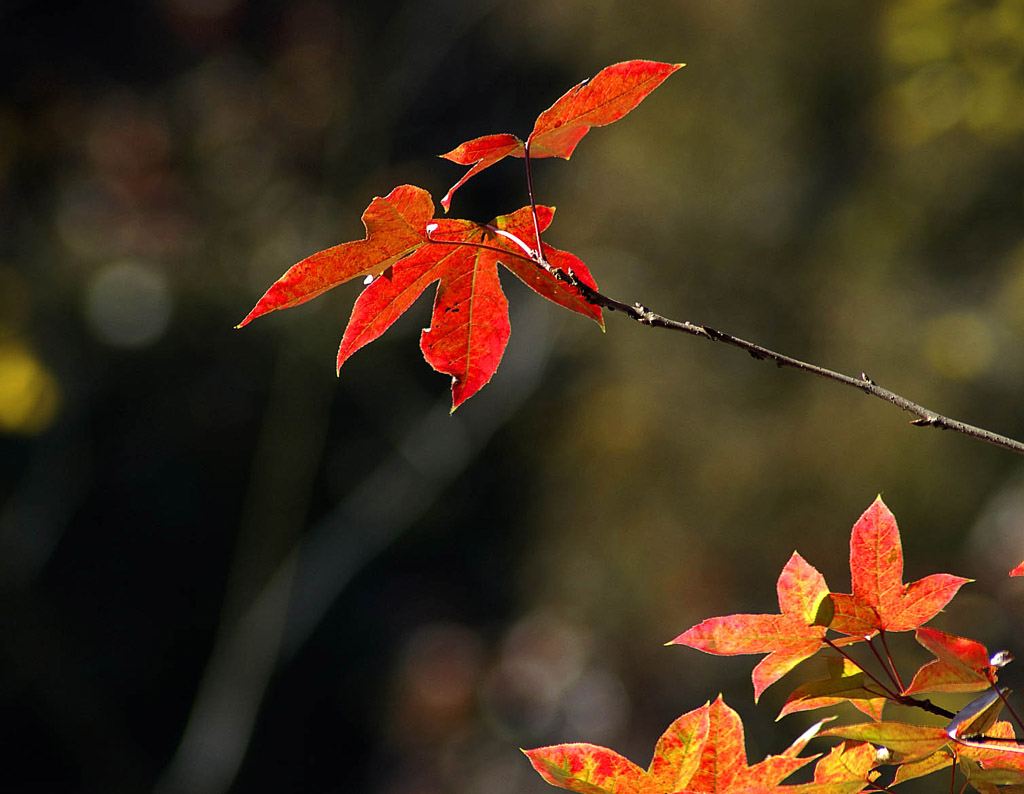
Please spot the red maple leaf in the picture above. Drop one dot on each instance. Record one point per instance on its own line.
(1018, 570)
(787, 638)
(962, 664)
(608, 96)
(701, 752)
(880, 601)
(405, 250)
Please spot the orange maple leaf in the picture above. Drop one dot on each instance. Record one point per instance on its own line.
(702, 752)
(880, 601)
(592, 769)
(788, 638)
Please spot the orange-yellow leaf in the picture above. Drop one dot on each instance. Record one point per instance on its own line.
(880, 601)
(846, 683)
(597, 770)
(702, 752)
(925, 766)
(723, 764)
(999, 753)
(787, 638)
(905, 742)
(586, 768)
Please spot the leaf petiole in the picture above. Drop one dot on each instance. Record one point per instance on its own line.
(533, 203)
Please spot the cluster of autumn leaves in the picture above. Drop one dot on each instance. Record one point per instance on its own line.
(406, 249)
(703, 750)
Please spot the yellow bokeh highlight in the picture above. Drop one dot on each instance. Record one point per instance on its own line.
(960, 345)
(955, 63)
(29, 394)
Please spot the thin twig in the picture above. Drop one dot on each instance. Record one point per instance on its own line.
(925, 417)
(904, 700)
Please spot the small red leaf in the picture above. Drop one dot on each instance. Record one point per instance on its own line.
(1018, 571)
(480, 153)
(470, 326)
(962, 664)
(608, 96)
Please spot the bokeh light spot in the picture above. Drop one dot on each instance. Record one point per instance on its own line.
(29, 395)
(959, 345)
(128, 304)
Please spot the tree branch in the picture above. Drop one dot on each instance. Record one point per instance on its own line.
(925, 417)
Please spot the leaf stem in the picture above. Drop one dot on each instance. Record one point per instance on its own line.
(891, 664)
(903, 700)
(1006, 702)
(533, 203)
(887, 667)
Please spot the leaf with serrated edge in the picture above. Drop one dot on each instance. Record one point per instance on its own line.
(723, 764)
(787, 638)
(880, 601)
(846, 683)
(606, 97)
(586, 768)
(480, 153)
(1000, 752)
(925, 766)
(906, 742)
(404, 252)
(592, 769)
(395, 227)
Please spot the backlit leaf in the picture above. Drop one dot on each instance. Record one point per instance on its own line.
(787, 638)
(962, 664)
(846, 683)
(404, 252)
(606, 97)
(906, 742)
(880, 601)
(597, 770)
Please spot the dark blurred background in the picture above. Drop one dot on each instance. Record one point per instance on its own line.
(225, 569)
